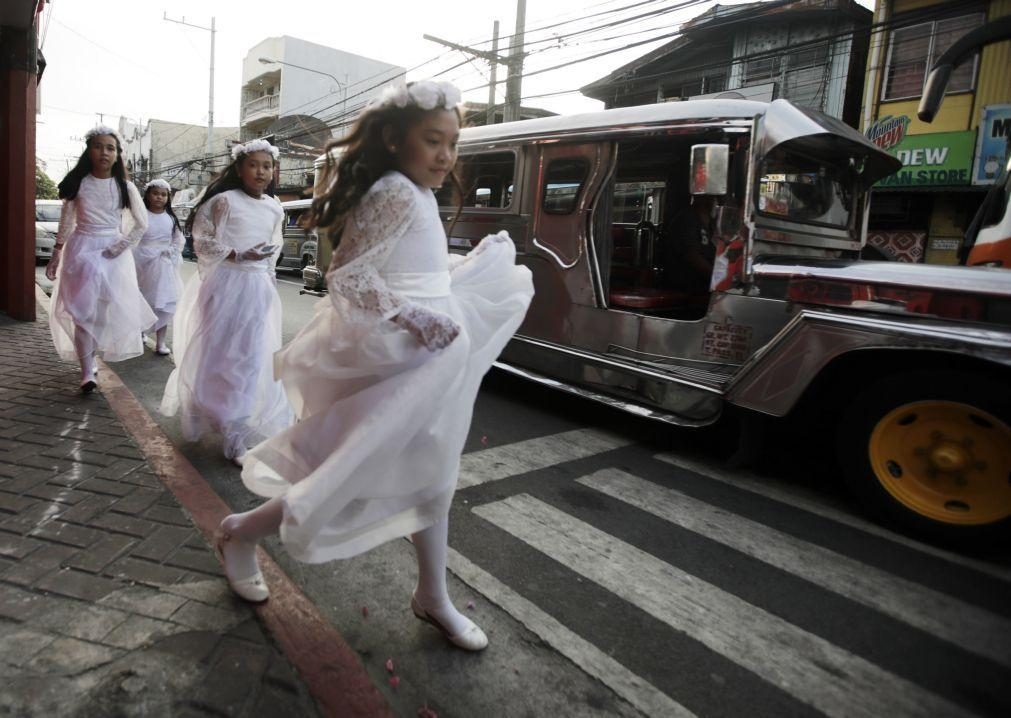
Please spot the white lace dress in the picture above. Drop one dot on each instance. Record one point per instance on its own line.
(158, 256)
(227, 327)
(383, 420)
(95, 293)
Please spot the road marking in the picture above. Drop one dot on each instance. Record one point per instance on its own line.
(501, 462)
(959, 623)
(637, 691)
(816, 504)
(814, 671)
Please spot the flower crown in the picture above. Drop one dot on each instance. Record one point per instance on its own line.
(254, 146)
(102, 130)
(158, 183)
(426, 94)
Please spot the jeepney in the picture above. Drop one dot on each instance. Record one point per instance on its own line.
(298, 249)
(911, 363)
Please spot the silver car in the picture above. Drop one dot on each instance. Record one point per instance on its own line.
(47, 221)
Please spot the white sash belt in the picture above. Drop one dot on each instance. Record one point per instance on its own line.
(421, 285)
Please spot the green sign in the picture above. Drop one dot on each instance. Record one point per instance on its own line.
(940, 159)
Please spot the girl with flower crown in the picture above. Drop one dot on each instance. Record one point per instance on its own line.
(158, 256)
(384, 377)
(228, 323)
(96, 305)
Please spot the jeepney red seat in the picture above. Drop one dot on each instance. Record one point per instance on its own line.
(646, 298)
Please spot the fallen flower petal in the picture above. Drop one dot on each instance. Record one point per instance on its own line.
(426, 712)
(365, 611)
(470, 605)
(394, 681)
(389, 665)
(484, 439)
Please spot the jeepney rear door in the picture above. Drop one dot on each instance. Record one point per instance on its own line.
(567, 180)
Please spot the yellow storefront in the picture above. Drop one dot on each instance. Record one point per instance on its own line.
(922, 212)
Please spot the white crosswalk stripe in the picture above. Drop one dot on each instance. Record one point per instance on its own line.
(962, 624)
(637, 691)
(805, 665)
(819, 506)
(501, 462)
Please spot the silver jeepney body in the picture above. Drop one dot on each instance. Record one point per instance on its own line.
(764, 334)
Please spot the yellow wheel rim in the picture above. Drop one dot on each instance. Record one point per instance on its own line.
(945, 460)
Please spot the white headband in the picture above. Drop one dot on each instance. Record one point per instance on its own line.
(426, 94)
(254, 146)
(102, 130)
(158, 183)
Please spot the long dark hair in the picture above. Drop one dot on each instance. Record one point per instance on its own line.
(364, 160)
(71, 184)
(229, 179)
(168, 206)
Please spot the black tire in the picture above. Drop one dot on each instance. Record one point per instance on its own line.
(984, 392)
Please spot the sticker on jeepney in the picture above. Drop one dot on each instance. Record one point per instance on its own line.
(730, 342)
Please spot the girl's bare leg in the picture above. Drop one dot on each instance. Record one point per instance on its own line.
(84, 345)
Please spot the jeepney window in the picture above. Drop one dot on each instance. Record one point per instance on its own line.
(562, 184)
(636, 202)
(805, 189)
(487, 179)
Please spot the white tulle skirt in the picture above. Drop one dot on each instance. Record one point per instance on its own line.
(226, 329)
(100, 296)
(376, 452)
(159, 281)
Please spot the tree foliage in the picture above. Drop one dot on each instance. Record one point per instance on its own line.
(45, 188)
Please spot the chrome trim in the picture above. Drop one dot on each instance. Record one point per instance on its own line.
(558, 259)
(620, 405)
(620, 366)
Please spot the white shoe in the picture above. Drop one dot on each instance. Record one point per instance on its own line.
(472, 639)
(254, 588)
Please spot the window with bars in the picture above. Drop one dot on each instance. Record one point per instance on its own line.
(913, 49)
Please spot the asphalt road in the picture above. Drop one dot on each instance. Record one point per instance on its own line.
(620, 569)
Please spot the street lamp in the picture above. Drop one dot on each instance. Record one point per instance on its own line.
(342, 86)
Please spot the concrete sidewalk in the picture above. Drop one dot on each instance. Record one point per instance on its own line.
(111, 601)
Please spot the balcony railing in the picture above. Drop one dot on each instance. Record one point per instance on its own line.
(266, 105)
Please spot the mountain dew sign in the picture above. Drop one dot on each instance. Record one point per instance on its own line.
(939, 159)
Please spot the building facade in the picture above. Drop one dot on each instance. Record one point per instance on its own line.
(811, 52)
(300, 95)
(920, 214)
(176, 152)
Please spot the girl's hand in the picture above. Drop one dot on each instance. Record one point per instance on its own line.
(116, 249)
(432, 329)
(53, 264)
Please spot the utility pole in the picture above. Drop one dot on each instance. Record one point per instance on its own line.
(210, 94)
(493, 59)
(515, 77)
(494, 76)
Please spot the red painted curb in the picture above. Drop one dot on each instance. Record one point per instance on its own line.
(327, 665)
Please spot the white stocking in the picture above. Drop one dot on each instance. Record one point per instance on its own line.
(245, 531)
(160, 339)
(84, 345)
(431, 546)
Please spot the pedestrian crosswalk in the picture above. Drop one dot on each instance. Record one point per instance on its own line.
(814, 670)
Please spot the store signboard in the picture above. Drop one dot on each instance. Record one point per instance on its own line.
(937, 159)
(992, 144)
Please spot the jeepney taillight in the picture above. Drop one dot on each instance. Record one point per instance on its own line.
(949, 305)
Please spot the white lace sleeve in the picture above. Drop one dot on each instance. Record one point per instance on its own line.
(68, 220)
(208, 224)
(372, 230)
(134, 222)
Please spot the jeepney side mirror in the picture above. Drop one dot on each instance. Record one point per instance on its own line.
(709, 169)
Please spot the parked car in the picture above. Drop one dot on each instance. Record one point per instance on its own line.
(299, 248)
(47, 222)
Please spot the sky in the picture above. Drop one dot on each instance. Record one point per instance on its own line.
(122, 58)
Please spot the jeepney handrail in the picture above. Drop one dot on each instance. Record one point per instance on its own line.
(551, 253)
(975, 280)
(734, 125)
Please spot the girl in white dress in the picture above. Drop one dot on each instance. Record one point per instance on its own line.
(228, 324)
(384, 377)
(158, 256)
(96, 305)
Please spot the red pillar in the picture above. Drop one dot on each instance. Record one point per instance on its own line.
(17, 171)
